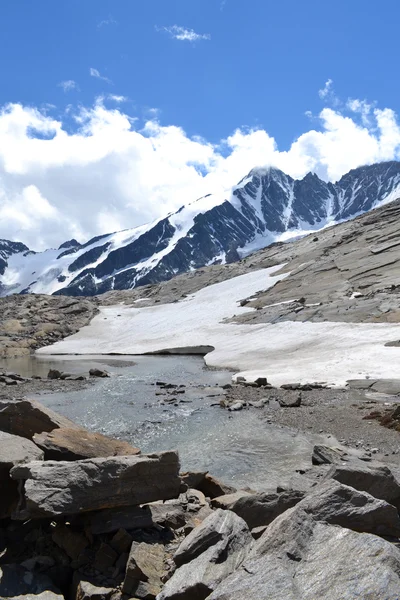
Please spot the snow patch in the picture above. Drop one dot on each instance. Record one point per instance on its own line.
(284, 352)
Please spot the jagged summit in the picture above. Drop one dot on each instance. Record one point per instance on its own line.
(265, 206)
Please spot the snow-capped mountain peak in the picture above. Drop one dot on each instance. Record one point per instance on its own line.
(265, 206)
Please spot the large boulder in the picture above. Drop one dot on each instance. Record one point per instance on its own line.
(74, 444)
(299, 558)
(258, 509)
(14, 450)
(26, 417)
(64, 488)
(207, 556)
(378, 481)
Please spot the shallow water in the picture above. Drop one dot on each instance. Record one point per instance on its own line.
(238, 447)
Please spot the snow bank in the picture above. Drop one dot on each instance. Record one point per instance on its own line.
(284, 353)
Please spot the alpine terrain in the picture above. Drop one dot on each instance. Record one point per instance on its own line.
(265, 207)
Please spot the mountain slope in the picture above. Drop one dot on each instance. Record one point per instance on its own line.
(264, 207)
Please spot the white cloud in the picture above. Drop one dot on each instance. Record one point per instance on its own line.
(183, 34)
(326, 90)
(327, 94)
(68, 85)
(113, 173)
(117, 99)
(95, 73)
(109, 21)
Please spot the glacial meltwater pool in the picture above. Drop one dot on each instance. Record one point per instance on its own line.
(240, 447)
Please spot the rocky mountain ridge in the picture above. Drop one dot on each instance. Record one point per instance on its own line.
(266, 206)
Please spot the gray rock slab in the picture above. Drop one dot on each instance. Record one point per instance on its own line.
(342, 505)
(309, 560)
(325, 455)
(387, 386)
(261, 508)
(14, 450)
(26, 417)
(207, 556)
(64, 488)
(360, 384)
(378, 481)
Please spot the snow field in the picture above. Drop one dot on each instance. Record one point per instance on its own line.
(286, 352)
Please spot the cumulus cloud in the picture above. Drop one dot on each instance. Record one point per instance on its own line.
(68, 85)
(183, 34)
(115, 172)
(95, 73)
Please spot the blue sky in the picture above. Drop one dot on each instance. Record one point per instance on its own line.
(114, 113)
(263, 65)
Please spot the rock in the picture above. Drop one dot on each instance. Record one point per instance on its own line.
(236, 406)
(105, 558)
(14, 450)
(74, 444)
(72, 542)
(378, 481)
(360, 384)
(228, 500)
(121, 542)
(258, 509)
(258, 403)
(342, 505)
(325, 455)
(17, 581)
(98, 373)
(387, 386)
(26, 417)
(42, 596)
(207, 556)
(299, 558)
(206, 483)
(88, 591)
(144, 571)
(54, 374)
(56, 488)
(261, 381)
(291, 402)
(168, 515)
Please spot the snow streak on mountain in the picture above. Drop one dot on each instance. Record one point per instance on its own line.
(266, 206)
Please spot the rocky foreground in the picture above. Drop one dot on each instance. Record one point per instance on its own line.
(84, 517)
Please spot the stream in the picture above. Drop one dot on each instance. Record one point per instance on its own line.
(240, 447)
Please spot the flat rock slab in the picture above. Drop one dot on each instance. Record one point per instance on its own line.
(26, 417)
(65, 488)
(387, 386)
(14, 450)
(74, 444)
